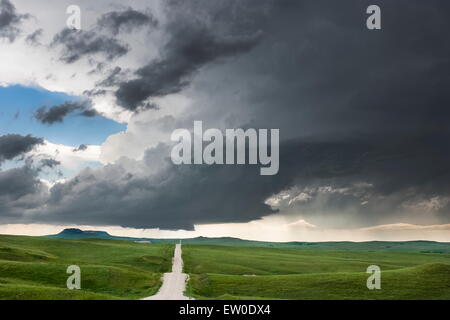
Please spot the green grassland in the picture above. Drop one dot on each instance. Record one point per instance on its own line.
(410, 270)
(223, 268)
(394, 246)
(35, 268)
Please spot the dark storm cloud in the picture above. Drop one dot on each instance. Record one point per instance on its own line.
(185, 55)
(126, 21)
(193, 44)
(356, 106)
(181, 196)
(386, 90)
(57, 113)
(14, 145)
(164, 199)
(336, 78)
(17, 182)
(371, 105)
(79, 43)
(20, 189)
(362, 181)
(362, 114)
(10, 20)
(224, 193)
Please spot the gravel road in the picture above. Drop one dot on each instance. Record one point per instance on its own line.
(174, 283)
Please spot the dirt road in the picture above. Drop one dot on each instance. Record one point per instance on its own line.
(174, 283)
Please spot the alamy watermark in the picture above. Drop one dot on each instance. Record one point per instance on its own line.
(229, 149)
(74, 281)
(373, 22)
(74, 20)
(374, 281)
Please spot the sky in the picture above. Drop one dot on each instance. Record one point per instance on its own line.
(22, 102)
(86, 118)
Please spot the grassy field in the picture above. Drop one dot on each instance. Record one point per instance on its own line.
(35, 268)
(415, 270)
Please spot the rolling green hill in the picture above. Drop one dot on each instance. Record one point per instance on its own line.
(220, 268)
(407, 246)
(35, 268)
(429, 281)
(409, 271)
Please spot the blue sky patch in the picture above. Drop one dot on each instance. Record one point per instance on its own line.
(18, 105)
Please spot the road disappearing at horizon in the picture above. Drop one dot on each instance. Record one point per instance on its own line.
(174, 283)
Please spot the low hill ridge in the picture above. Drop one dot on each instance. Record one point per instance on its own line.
(410, 246)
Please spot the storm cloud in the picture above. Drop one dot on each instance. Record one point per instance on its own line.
(57, 113)
(126, 21)
(363, 118)
(354, 107)
(79, 43)
(20, 188)
(10, 20)
(15, 145)
(193, 44)
(160, 194)
(338, 184)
